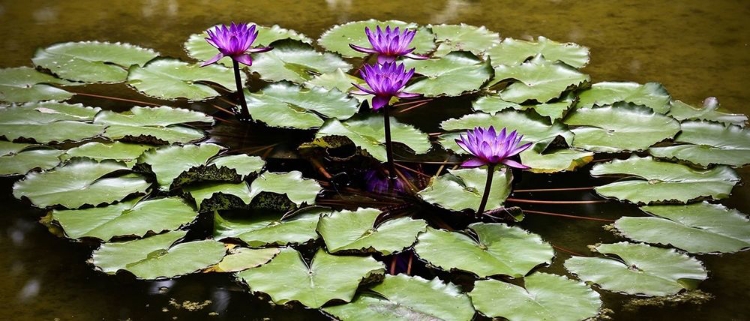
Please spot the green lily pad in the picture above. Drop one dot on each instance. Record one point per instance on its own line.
(463, 37)
(405, 298)
(46, 122)
(538, 80)
(338, 79)
(636, 128)
(454, 74)
(338, 38)
(299, 190)
(198, 48)
(290, 106)
(652, 95)
(22, 162)
(553, 110)
(10, 148)
(514, 52)
(543, 297)
(498, 249)
(295, 61)
(369, 135)
(169, 162)
(132, 218)
(268, 229)
(153, 116)
(92, 61)
(710, 143)
(156, 258)
(534, 128)
(557, 160)
(462, 189)
(662, 182)
(288, 278)
(170, 79)
(354, 231)
(696, 228)
(243, 258)
(126, 153)
(24, 84)
(219, 196)
(682, 111)
(638, 269)
(79, 183)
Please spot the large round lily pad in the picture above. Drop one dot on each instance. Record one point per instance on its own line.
(462, 189)
(696, 228)
(709, 143)
(514, 52)
(169, 162)
(22, 162)
(682, 111)
(157, 258)
(497, 249)
(79, 183)
(453, 75)
(463, 37)
(639, 269)
(268, 229)
(132, 218)
(24, 84)
(407, 298)
(354, 231)
(123, 152)
(652, 95)
(92, 61)
(154, 124)
(46, 122)
(660, 182)
(295, 61)
(288, 278)
(636, 128)
(290, 106)
(543, 297)
(369, 134)
(538, 80)
(170, 79)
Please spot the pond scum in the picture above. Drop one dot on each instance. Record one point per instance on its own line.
(294, 197)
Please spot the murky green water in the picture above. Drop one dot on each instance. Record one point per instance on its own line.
(695, 48)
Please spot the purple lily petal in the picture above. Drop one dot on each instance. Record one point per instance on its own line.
(244, 59)
(474, 162)
(490, 147)
(389, 44)
(234, 41)
(213, 59)
(385, 81)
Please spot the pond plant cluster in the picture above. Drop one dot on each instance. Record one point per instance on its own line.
(364, 215)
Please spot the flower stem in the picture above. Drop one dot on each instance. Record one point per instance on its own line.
(487, 186)
(244, 113)
(388, 147)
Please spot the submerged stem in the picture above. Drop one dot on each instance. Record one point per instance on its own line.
(244, 113)
(388, 147)
(487, 186)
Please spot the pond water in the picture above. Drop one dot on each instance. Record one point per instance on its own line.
(696, 49)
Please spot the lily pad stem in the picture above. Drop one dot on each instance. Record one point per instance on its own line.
(487, 186)
(244, 113)
(388, 147)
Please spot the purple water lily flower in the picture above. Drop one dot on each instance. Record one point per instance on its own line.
(234, 42)
(488, 147)
(389, 44)
(386, 81)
